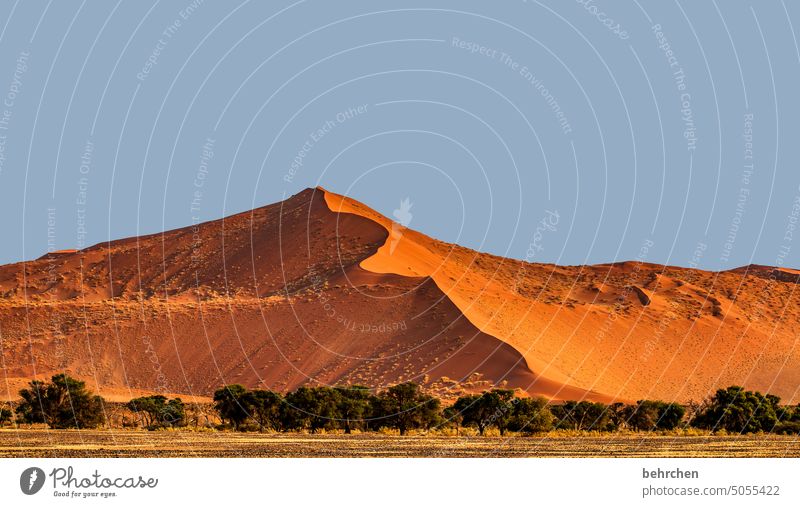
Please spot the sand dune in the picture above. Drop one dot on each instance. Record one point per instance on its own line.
(321, 289)
(628, 330)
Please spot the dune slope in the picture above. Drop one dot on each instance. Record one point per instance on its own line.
(628, 330)
(273, 297)
(321, 289)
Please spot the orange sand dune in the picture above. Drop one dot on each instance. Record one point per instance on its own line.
(321, 289)
(627, 330)
(271, 298)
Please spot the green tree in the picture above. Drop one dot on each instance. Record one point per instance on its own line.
(670, 415)
(616, 416)
(468, 408)
(5, 416)
(453, 418)
(531, 415)
(492, 408)
(738, 410)
(354, 406)
(64, 402)
(158, 412)
(232, 402)
(584, 415)
(405, 407)
(643, 416)
(313, 408)
(266, 407)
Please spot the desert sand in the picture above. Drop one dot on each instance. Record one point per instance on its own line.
(321, 289)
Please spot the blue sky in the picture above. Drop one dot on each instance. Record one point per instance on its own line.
(621, 124)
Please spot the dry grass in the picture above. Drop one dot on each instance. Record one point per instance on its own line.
(115, 443)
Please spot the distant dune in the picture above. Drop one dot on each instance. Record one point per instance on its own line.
(322, 289)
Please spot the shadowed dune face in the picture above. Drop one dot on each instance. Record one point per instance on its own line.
(322, 289)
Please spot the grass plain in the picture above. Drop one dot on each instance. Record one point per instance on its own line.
(24, 443)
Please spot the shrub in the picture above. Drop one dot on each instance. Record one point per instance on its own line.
(787, 428)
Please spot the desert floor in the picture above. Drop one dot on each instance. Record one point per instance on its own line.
(109, 443)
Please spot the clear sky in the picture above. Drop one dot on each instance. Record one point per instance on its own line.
(671, 125)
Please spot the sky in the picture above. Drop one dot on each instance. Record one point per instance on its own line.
(555, 131)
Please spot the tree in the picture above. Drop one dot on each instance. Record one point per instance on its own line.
(468, 408)
(616, 416)
(313, 408)
(63, 403)
(502, 401)
(452, 417)
(670, 415)
(232, 404)
(643, 416)
(405, 406)
(531, 415)
(157, 411)
(5, 416)
(736, 410)
(354, 406)
(492, 408)
(583, 415)
(266, 407)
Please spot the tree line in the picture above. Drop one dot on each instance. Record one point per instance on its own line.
(65, 402)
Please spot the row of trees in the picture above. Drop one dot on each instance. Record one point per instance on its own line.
(64, 402)
(737, 410)
(403, 407)
(645, 415)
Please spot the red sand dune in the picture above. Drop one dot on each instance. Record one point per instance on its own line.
(321, 289)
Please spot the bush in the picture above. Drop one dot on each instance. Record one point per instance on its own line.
(63, 403)
(787, 428)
